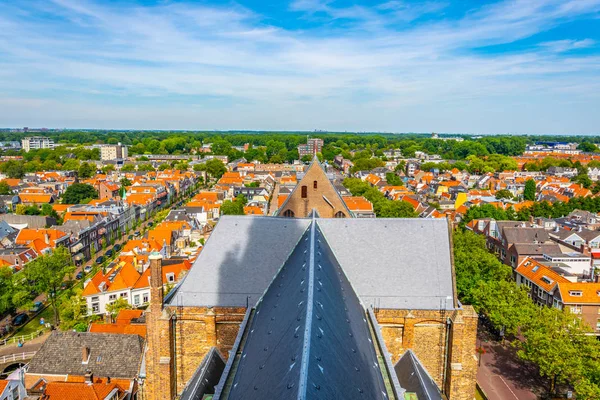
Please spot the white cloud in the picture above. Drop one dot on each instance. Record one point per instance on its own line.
(241, 70)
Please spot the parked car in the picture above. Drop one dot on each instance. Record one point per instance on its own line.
(99, 260)
(130, 237)
(19, 319)
(87, 269)
(150, 223)
(79, 275)
(37, 306)
(137, 233)
(117, 247)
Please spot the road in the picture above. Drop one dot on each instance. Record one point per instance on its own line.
(274, 204)
(502, 375)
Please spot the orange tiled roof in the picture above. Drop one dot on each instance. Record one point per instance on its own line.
(35, 198)
(590, 292)
(161, 235)
(358, 203)
(373, 179)
(140, 199)
(12, 182)
(253, 210)
(79, 390)
(535, 272)
(27, 235)
(125, 277)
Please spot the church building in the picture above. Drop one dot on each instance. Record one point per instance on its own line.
(314, 307)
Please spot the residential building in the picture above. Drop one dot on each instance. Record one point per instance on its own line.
(129, 281)
(311, 148)
(12, 390)
(85, 356)
(36, 142)
(110, 152)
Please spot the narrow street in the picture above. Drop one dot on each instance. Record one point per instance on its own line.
(502, 375)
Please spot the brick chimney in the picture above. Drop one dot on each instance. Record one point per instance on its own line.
(89, 377)
(156, 283)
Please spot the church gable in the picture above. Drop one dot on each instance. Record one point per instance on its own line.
(314, 191)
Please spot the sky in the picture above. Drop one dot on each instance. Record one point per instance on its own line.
(481, 67)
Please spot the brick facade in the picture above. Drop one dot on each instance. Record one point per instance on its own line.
(447, 350)
(314, 191)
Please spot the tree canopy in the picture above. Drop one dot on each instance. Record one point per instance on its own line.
(79, 193)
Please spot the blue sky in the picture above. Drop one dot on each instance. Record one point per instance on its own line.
(520, 66)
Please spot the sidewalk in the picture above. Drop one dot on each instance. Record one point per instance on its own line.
(502, 375)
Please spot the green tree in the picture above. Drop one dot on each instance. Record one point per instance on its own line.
(393, 179)
(128, 168)
(49, 272)
(86, 171)
(117, 305)
(73, 310)
(108, 168)
(505, 304)
(5, 188)
(474, 264)
(529, 191)
(504, 194)
(215, 168)
(77, 193)
(396, 209)
(557, 341)
(587, 147)
(232, 207)
(125, 182)
(7, 290)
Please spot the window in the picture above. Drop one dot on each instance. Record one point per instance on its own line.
(95, 308)
(288, 214)
(304, 192)
(145, 298)
(112, 297)
(170, 277)
(136, 299)
(340, 214)
(124, 294)
(576, 309)
(575, 293)
(598, 325)
(95, 298)
(314, 184)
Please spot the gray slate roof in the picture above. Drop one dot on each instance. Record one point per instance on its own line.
(111, 355)
(391, 263)
(309, 337)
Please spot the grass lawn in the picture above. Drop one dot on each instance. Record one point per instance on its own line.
(34, 325)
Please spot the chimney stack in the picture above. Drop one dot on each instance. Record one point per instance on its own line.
(89, 377)
(156, 282)
(85, 354)
(46, 238)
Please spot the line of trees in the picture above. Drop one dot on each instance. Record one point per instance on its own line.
(558, 342)
(537, 209)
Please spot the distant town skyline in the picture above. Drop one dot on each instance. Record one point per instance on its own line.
(486, 67)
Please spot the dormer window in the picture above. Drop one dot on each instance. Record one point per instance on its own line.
(575, 293)
(170, 277)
